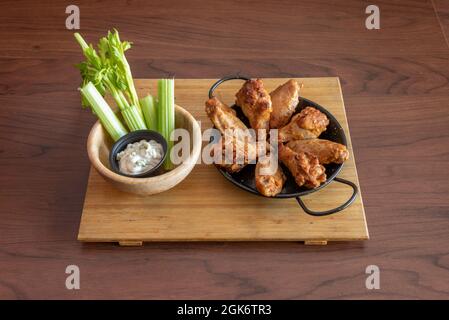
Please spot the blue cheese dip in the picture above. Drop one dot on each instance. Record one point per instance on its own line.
(140, 157)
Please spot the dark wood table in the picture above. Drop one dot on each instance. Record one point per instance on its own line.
(396, 88)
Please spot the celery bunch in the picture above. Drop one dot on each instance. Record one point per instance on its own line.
(106, 70)
(109, 71)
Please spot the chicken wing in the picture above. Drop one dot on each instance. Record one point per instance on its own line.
(255, 103)
(284, 100)
(222, 116)
(304, 167)
(269, 176)
(269, 185)
(233, 154)
(307, 124)
(326, 151)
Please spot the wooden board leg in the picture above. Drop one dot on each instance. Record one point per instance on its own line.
(315, 242)
(130, 243)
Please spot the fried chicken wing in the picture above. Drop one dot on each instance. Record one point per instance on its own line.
(234, 153)
(304, 167)
(326, 151)
(308, 124)
(269, 176)
(284, 100)
(255, 103)
(269, 185)
(222, 116)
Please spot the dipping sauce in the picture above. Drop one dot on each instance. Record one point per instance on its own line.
(140, 157)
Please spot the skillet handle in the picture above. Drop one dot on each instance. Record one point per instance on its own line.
(335, 210)
(216, 84)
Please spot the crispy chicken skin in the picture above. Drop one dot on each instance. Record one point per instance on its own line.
(269, 185)
(284, 100)
(308, 124)
(236, 150)
(222, 116)
(326, 151)
(235, 153)
(304, 167)
(255, 103)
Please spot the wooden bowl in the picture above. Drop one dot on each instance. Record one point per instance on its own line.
(99, 145)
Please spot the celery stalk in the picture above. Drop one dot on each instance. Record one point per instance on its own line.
(162, 108)
(148, 106)
(101, 108)
(171, 116)
(166, 114)
(132, 117)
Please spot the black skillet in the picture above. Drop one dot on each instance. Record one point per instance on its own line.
(245, 179)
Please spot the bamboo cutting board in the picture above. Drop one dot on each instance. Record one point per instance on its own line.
(207, 207)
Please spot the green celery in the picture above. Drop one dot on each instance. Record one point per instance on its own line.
(148, 106)
(115, 50)
(166, 114)
(101, 108)
(109, 71)
(132, 117)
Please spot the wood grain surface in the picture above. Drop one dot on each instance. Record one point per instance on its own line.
(219, 210)
(395, 81)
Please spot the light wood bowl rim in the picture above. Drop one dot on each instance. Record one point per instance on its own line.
(178, 173)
